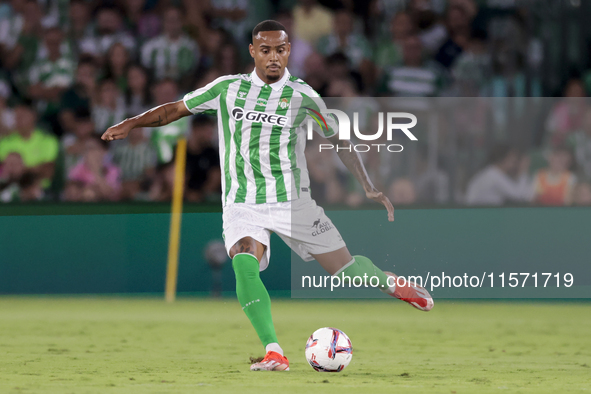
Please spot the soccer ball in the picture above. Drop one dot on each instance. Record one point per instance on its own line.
(329, 350)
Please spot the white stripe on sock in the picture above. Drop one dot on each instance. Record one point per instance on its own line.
(344, 267)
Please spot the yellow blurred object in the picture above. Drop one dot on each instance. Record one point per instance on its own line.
(175, 220)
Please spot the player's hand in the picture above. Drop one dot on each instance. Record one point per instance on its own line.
(378, 196)
(117, 132)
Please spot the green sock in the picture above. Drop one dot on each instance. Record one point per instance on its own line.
(363, 266)
(253, 296)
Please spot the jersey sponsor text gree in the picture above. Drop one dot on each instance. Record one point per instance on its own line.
(259, 117)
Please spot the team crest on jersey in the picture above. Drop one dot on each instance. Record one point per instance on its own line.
(283, 103)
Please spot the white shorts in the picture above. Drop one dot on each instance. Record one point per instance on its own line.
(300, 223)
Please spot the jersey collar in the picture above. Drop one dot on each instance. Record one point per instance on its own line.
(275, 85)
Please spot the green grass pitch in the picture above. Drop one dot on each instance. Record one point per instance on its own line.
(142, 345)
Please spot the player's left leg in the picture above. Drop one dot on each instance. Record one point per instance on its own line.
(341, 263)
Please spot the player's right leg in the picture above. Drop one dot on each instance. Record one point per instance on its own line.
(312, 235)
(341, 263)
(255, 301)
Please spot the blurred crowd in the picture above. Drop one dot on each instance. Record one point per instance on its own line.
(70, 69)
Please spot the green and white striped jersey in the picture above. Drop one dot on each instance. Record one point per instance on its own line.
(262, 134)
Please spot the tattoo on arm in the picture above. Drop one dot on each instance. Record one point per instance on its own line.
(152, 113)
(157, 122)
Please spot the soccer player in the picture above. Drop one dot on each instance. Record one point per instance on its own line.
(265, 183)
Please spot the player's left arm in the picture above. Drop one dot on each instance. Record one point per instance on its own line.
(352, 161)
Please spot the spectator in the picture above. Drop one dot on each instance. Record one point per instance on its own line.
(346, 87)
(211, 46)
(311, 21)
(137, 161)
(459, 33)
(11, 25)
(510, 78)
(6, 113)
(503, 180)
(163, 185)
(95, 177)
(74, 144)
(300, 49)
(227, 59)
(554, 185)
(580, 143)
(402, 192)
(173, 54)
(337, 69)
(109, 107)
(12, 170)
(388, 52)
(144, 23)
(232, 16)
(137, 97)
(381, 14)
(37, 149)
(315, 72)
(80, 26)
(343, 39)
(31, 188)
(21, 49)
(117, 64)
(582, 194)
(414, 78)
(472, 68)
(49, 78)
(432, 184)
(203, 163)
(109, 30)
(431, 31)
(79, 96)
(164, 138)
(567, 115)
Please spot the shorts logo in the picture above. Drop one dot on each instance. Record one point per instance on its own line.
(320, 228)
(258, 117)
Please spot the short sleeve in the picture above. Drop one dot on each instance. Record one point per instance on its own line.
(323, 123)
(206, 98)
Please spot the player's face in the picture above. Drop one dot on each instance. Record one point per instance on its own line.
(270, 51)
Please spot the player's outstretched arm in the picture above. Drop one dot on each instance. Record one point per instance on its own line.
(352, 161)
(157, 116)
